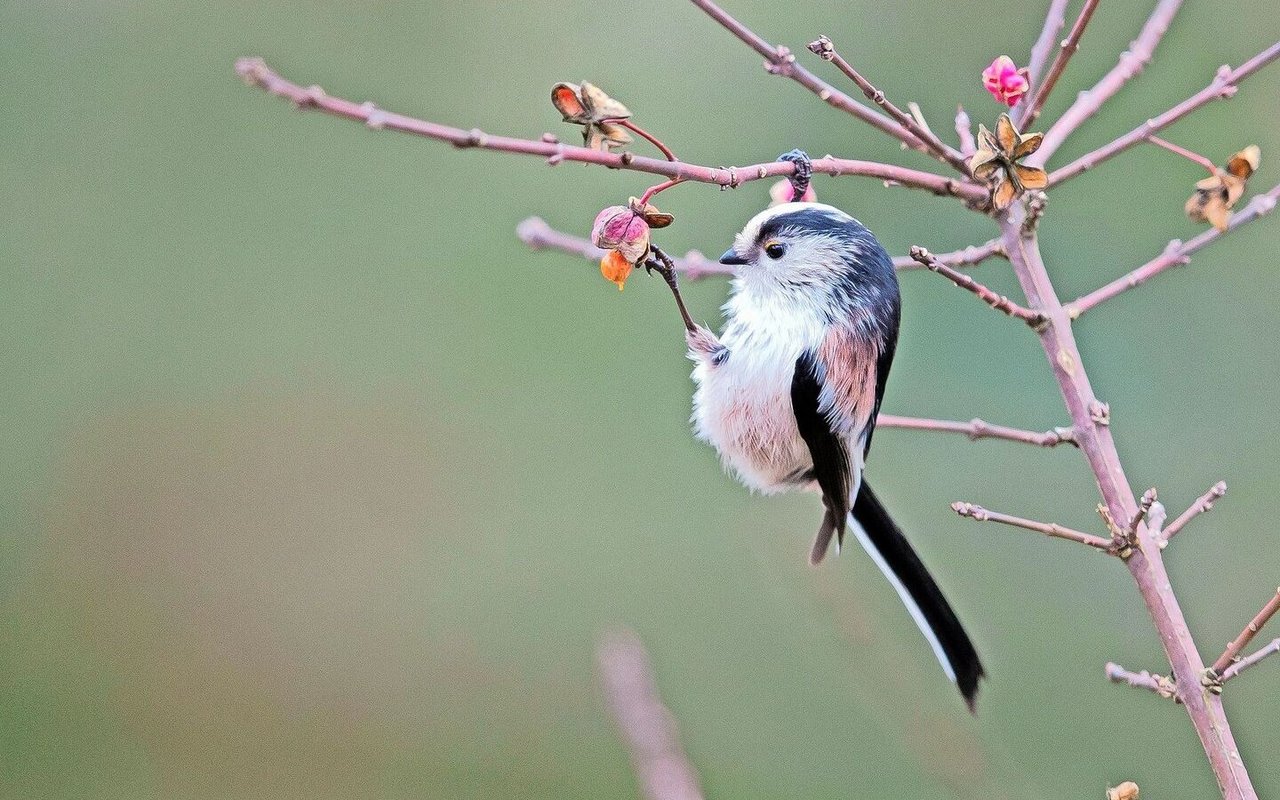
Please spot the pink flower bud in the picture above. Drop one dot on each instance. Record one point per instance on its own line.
(1005, 81)
(619, 228)
(783, 192)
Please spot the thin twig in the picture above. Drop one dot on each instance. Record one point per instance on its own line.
(1068, 48)
(536, 233)
(1251, 660)
(977, 429)
(964, 132)
(1144, 507)
(1251, 630)
(648, 728)
(1161, 685)
(823, 48)
(1184, 152)
(779, 60)
(1055, 20)
(981, 514)
(988, 296)
(1176, 253)
(257, 73)
(1131, 63)
(1223, 85)
(1201, 505)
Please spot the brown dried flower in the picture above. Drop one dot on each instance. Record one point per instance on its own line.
(997, 160)
(1217, 195)
(587, 105)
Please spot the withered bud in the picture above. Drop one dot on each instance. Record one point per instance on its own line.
(624, 230)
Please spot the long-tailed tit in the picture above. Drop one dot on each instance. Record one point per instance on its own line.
(789, 392)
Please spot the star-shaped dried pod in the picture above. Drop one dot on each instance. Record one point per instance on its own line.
(589, 106)
(1216, 195)
(997, 162)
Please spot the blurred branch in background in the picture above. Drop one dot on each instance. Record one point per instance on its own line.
(648, 728)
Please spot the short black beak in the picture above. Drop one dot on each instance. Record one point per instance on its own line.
(732, 258)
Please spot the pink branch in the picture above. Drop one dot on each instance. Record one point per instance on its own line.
(1054, 21)
(1054, 530)
(1223, 85)
(997, 301)
(977, 429)
(1131, 63)
(827, 52)
(257, 73)
(1176, 253)
(1068, 48)
(1144, 561)
(1202, 505)
(648, 729)
(1165, 687)
(536, 233)
(1242, 641)
(1251, 660)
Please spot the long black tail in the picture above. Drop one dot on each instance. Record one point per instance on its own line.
(891, 551)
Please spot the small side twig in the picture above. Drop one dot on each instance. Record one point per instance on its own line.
(1242, 641)
(1176, 253)
(1251, 660)
(977, 429)
(1067, 49)
(997, 301)
(648, 728)
(1054, 530)
(1202, 504)
(1161, 685)
(1184, 152)
(823, 48)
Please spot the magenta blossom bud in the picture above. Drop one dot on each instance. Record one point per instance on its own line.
(622, 229)
(1005, 81)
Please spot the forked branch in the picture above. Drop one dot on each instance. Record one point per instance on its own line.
(1223, 85)
(1176, 253)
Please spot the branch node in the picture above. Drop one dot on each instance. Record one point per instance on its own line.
(1100, 413)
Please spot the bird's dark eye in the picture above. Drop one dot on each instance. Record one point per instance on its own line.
(775, 250)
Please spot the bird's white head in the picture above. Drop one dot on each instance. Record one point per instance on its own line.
(798, 246)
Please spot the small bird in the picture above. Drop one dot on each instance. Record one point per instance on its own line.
(788, 394)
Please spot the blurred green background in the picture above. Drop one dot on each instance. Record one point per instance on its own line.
(317, 483)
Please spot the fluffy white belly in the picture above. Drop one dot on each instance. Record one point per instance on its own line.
(743, 408)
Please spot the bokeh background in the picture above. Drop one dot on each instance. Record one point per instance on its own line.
(317, 483)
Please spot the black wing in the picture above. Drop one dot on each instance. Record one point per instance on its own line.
(830, 458)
